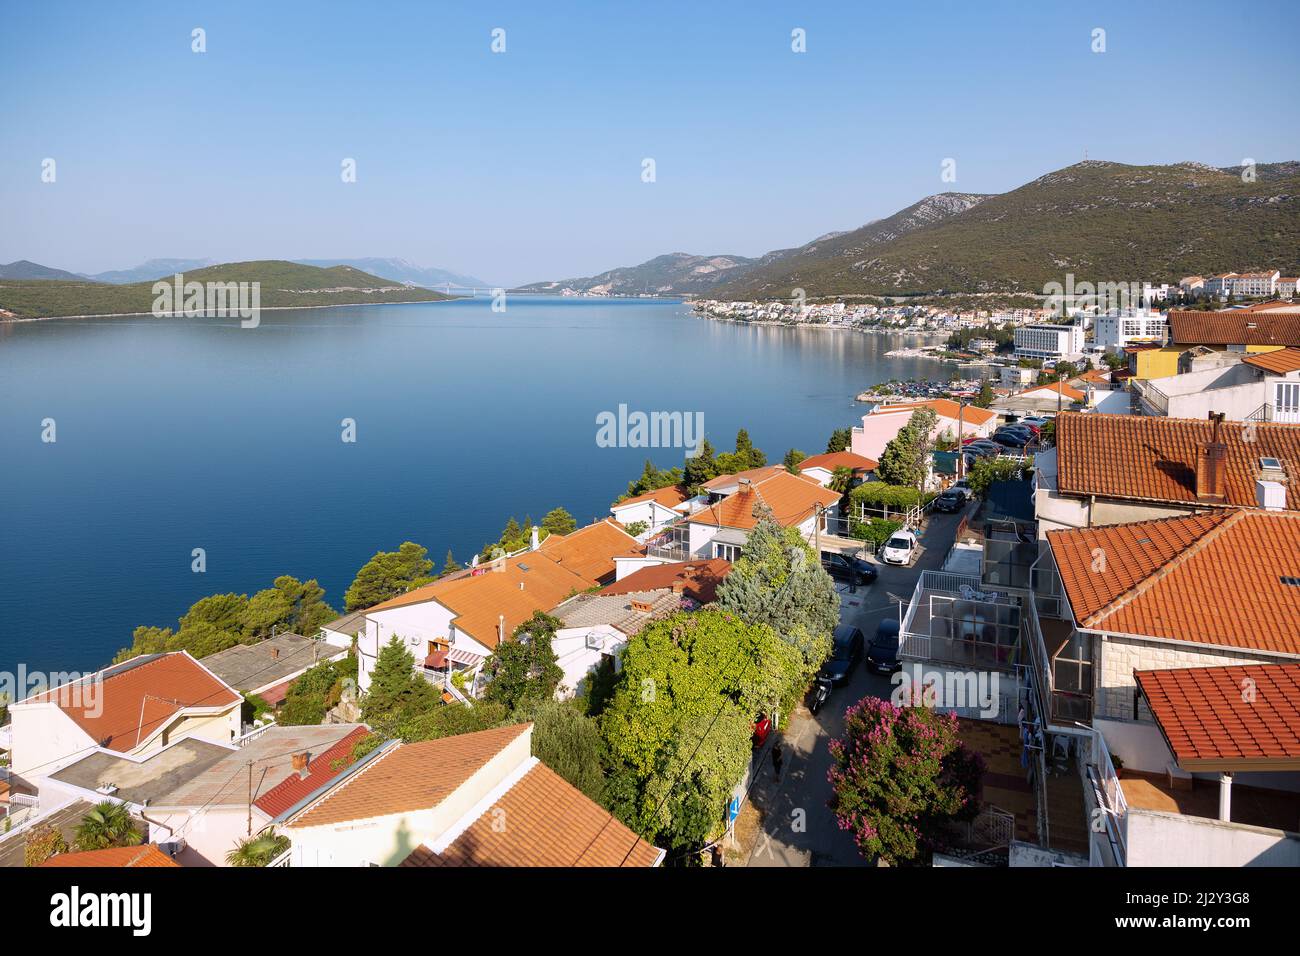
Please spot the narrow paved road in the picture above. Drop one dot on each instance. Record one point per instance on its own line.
(798, 827)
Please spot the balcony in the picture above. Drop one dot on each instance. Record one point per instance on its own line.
(671, 542)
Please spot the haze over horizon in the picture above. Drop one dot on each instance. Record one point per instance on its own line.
(527, 165)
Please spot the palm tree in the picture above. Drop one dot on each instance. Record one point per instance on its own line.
(258, 850)
(108, 824)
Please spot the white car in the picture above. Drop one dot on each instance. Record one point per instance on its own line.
(899, 548)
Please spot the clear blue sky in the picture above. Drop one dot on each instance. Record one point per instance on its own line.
(526, 165)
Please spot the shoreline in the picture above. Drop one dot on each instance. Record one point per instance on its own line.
(181, 315)
(823, 326)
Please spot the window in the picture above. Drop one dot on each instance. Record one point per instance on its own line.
(729, 551)
(1286, 399)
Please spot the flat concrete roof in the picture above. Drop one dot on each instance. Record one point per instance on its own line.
(138, 781)
(247, 667)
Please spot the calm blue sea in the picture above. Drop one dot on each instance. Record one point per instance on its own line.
(176, 434)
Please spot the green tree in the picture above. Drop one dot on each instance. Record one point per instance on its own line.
(985, 397)
(107, 824)
(388, 574)
(653, 478)
(450, 720)
(906, 459)
(396, 692)
(792, 459)
(745, 457)
(898, 775)
(840, 440)
(567, 741)
(699, 468)
(985, 471)
(559, 521)
(449, 566)
(778, 581)
(258, 850)
(525, 668)
(841, 480)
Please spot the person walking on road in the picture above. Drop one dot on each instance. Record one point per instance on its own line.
(777, 757)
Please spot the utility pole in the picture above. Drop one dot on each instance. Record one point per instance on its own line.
(961, 436)
(250, 798)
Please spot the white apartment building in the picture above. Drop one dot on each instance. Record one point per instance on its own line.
(1255, 283)
(1116, 330)
(1050, 342)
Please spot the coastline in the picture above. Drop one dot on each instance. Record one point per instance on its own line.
(181, 315)
(825, 327)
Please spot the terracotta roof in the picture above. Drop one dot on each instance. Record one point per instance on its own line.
(1220, 578)
(944, 407)
(1279, 361)
(753, 474)
(1052, 388)
(122, 706)
(550, 823)
(1093, 375)
(147, 855)
(1243, 717)
(700, 579)
(1150, 458)
(532, 581)
(320, 771)
(669, 497)
(791, 498)
(409, 777)
(1239, 327)
(839, 459)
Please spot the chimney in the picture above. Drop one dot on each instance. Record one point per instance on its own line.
(1210, 461)
(535, 544)
(745, 486)
(643, 606)
(301, 760)
(275, 653)
(1270, 495)
(679, 586)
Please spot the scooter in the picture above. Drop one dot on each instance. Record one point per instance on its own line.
(821, 693)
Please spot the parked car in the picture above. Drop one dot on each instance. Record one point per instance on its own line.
(848, 567)
(846, 654)
(1016, 442)
(949, 501)
(1025, 430)
(882, 654)
(983, 448)
(899, 548)
(762, 730)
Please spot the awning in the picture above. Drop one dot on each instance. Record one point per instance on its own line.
(465, 658)
(437, 660)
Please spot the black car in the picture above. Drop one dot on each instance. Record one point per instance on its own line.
(1011, 441)
(847, 567)
(845, 655)
(882, 655)
(950, 501)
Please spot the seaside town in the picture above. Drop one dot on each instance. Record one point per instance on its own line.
(1074, 582)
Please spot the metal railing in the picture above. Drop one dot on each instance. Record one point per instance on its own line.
(284, 859)
(1109, 794)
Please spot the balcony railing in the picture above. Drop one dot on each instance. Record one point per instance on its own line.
(671, 542)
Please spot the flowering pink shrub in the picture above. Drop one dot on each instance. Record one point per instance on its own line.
(899, 774)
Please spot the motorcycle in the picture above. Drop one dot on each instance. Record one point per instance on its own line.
(821, 693)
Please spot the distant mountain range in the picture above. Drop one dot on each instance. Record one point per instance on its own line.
(1101, 221)
(398, 270)
(281, 285)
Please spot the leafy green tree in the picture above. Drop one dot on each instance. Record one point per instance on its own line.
(899, 774)
(388, 574)
(985, 471)
(985, 397)
(840, 440)
(567, 741)
(778, 581)
(107, 824)
(745, 457)
(449, 720)
(449, 566)
(224, 612)
(637, 528)
(396, 692)
(699, 468)
(841, 480)
(318, 689)
(559, 521)
(525, 668)
(258, 850)
(906, 459)
(792, 459)
(653, 478)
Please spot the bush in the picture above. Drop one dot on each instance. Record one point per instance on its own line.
(876, 531)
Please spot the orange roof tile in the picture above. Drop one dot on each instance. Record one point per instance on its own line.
(792, 499)
(1242, 717)
(944, 407)
(1220, 578)
(409, 777)
(700, 579)
(124, 705)
(320, 771)
(147, 855)
(839, 459)
(669, 497)
(753, 474)
(550, 823)
(1054, 387)
(1149, 458)
(589, 552)
(1239, 327)
(1280, 361)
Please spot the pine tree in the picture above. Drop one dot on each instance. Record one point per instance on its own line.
(449, 566)
(396, 692)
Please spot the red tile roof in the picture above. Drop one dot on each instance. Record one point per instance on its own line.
(1279, 361)
(1053, 388)
(321, 769)
(409, 777)
(147, 855)
(1226, 578)
(1239, 327)
(792, 499)
(668, 497)
(123, 705)
(944, 407)
(1244, 717)
(753, 474)
(549, 822)
(699, 579)
(839, 459)
(1148, 458)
